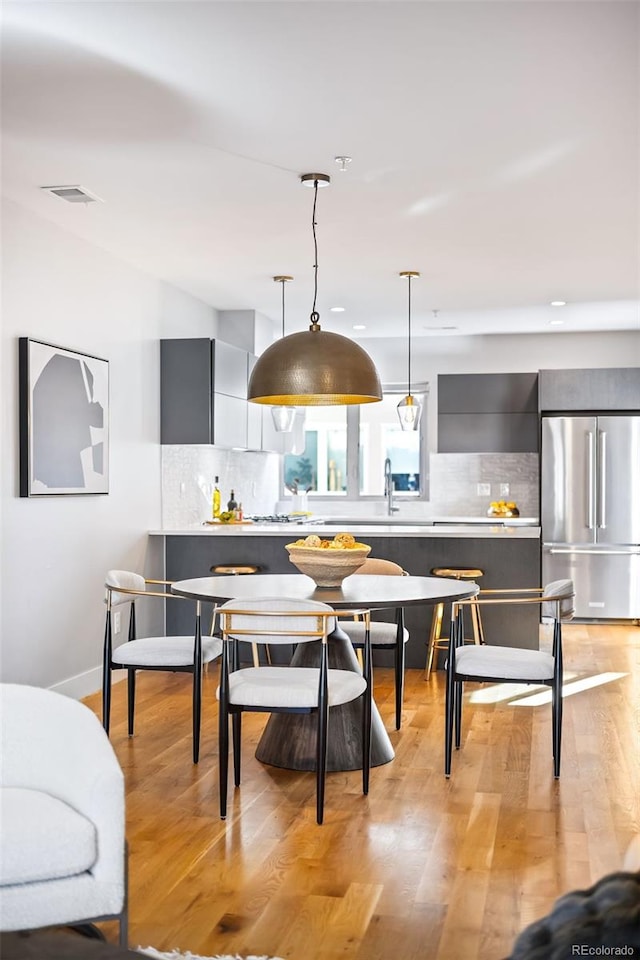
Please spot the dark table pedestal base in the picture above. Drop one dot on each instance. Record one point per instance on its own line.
(289, 739)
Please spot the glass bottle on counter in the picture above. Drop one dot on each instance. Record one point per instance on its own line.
(215, 500)
(232, 505)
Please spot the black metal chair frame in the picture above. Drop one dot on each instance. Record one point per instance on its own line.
(108, 665)
(398, 654)
(230, 663)
(398, 660)
(455, 680)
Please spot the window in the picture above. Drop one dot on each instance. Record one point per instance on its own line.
(322, 467)
(346, 447)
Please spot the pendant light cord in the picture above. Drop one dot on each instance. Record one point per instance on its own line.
(283, 283)
(409, 352)
(315, 316)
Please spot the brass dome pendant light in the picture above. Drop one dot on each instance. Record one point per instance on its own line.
(283, 417)
(314, 368)
(409, 409)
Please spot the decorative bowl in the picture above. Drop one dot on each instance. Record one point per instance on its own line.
(327, 567)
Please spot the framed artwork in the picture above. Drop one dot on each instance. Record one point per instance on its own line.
(64, 421)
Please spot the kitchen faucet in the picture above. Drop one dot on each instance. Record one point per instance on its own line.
(388, 487)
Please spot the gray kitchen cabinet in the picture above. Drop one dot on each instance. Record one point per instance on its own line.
(203, 390)
(488, 413)
(255, 414)
(186, 390)
(605, 388)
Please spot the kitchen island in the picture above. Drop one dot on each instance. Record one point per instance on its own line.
(509, 556)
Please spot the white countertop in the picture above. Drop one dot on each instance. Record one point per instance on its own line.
(294, 531)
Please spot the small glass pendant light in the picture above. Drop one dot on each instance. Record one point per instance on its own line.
(409, 408)
(283, 417)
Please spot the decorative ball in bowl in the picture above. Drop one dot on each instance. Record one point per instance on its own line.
(328, 562)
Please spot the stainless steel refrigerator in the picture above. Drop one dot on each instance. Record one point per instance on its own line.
(590, 511)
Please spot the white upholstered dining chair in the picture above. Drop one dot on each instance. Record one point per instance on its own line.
(185, 654)
(509, 664)
(286, 689)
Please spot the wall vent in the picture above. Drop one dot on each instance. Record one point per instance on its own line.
(73, 194)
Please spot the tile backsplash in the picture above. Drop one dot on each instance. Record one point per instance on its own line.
(455, 478)
(188, 474)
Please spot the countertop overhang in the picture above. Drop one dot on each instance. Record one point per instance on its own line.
(295, 531)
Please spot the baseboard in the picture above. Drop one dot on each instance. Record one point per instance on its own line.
(84, 684)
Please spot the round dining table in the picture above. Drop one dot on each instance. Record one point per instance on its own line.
(289, 739)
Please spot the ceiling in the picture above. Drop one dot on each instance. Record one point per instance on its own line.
(494, 146)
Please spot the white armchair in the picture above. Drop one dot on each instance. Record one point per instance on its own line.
(62, 810)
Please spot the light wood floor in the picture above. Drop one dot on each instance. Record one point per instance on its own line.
(421, 869)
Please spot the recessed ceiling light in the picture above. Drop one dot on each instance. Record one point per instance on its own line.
(359, 326)
(556, 323)
(336, 309)
(558, 303)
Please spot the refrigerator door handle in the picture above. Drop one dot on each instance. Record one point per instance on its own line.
(599, 553)
(590, 481)
(602, 488)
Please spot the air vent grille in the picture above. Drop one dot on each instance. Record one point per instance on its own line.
(73, 194)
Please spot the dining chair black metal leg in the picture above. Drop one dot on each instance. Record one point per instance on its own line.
(449, 701)
(322, 737)
(236, 734)
(399, 668)
(131, 699)
(223, 758)
(556, 696)
(197, 711)
(457, 716)
(366, 721)
(556, 708)
(458, 685)
(106, 676)
(197, 684)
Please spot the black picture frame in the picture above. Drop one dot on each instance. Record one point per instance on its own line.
(64, 421)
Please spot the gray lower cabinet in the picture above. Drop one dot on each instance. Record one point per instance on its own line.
(507, 563)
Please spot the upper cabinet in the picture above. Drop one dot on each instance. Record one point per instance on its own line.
(603, 388)
(186, 391)
(488, 413)
(203, 392)
(203, 397)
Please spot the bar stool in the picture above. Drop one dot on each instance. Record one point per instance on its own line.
(239, 570)
(436, 640)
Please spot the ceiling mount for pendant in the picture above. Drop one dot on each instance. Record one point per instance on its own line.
(409, 408)
(315, 179)
(314, 368)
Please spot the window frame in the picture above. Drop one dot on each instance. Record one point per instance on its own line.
(353, 454)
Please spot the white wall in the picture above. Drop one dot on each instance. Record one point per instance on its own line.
(55, 551)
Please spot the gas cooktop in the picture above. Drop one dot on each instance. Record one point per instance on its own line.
(274, 518)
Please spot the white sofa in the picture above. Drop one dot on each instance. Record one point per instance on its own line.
(62, 815)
